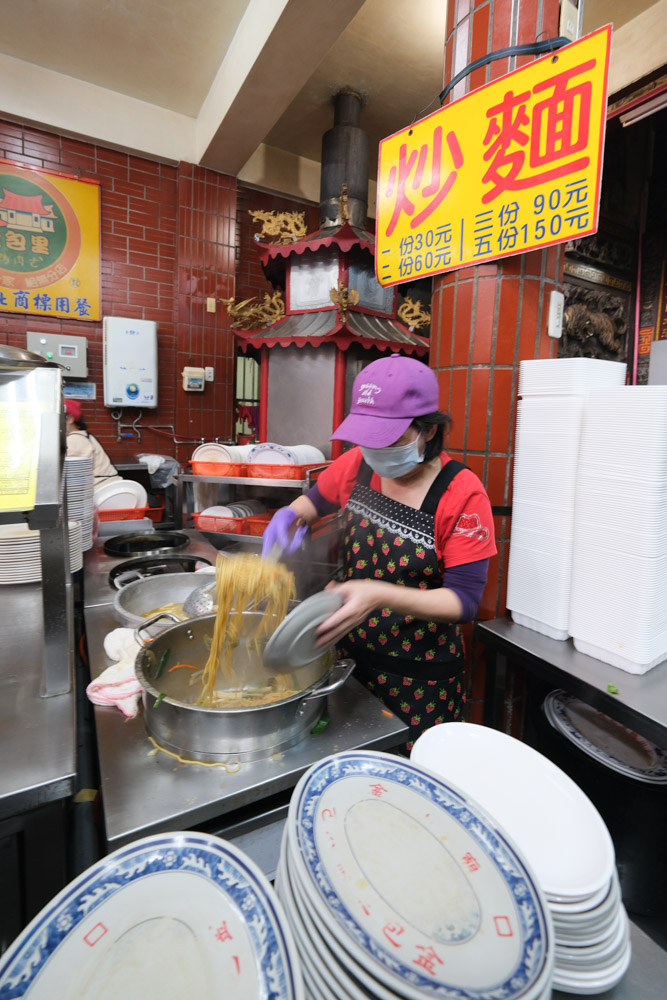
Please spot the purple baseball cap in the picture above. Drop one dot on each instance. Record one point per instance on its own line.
(386, 397)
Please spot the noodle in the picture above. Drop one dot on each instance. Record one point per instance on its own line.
(239, 581)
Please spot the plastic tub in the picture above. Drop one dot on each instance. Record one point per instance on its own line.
(218, 468)
(257, 470)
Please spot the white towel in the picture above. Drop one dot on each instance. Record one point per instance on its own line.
(118, 685)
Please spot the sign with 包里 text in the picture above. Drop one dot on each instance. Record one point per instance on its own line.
(49, 244)
(511, 167)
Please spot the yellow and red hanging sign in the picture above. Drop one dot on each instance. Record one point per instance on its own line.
(49, 244)
(511, 167)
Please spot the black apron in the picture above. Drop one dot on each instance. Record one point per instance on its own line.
(414, 666)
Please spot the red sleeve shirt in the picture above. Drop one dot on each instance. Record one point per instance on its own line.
(463, 520)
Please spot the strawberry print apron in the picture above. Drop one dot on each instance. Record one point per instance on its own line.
(414, 667)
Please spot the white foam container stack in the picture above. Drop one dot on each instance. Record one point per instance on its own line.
(546, 463)
(619, 567)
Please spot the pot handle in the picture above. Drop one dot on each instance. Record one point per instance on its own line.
(338, 674)
(151, 621)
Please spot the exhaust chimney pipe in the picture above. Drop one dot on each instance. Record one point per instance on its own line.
(345, 161)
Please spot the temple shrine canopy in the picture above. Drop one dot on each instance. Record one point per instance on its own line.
(331, 295)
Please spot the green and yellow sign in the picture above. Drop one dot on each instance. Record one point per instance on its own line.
(514, 166)
(49, 244)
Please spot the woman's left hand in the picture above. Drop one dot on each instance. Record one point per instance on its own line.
(360, 599)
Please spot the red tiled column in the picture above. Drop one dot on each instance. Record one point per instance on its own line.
(487, 318)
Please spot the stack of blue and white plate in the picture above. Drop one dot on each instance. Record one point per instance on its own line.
(170, 916)
(559, 833)
(399, 885)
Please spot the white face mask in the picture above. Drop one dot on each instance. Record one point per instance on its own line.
(395, 461)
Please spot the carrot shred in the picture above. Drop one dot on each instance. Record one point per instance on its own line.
(177, 665)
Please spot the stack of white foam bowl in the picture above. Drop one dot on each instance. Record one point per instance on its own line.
(619, 567)
(80, 496)
(397, 884)
(560, 834)
(549, 420)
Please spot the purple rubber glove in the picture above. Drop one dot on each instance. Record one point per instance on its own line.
(277, 532)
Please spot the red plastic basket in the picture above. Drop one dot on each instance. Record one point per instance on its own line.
(231, 525)
(132, 514)
(258, 522)
(257, 470)
(218, 468)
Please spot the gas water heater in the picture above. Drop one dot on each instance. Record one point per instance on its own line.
(130, 362)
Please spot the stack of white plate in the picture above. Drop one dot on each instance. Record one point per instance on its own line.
(549, 420)
(619, 568)
(397, 885)
(173, 915)
(121, 494)
(269, 453)
(568, 376)
(243, 508)
(80, 489)
(560, 834)
(20, 553)
(213, 451)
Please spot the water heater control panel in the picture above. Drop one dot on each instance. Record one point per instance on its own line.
(130, 362)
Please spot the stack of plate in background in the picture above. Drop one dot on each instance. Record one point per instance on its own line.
(561, 836)
(218, 453)
(549, 420)
(241, 508)
(397, 885)
(20, 554)
(80, 489)
(120, 494)
(619, 568)
(269, 453)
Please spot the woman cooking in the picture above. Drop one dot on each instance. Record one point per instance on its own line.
(418, 535)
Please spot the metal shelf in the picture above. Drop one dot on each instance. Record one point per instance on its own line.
(245, 481)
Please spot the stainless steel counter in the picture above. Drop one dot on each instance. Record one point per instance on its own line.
(641, 701)
(144, 792)
(97, 565)
(37, 735)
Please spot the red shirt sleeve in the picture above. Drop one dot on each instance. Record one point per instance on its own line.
(337, 481)
(464, 530)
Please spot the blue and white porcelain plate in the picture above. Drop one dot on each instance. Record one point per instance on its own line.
(269, 453)
(609, 742)
(417, 883)
(170, 916)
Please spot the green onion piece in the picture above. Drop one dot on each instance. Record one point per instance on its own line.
(157, 701)
(321, 725)
(162, 664)
(612, 689)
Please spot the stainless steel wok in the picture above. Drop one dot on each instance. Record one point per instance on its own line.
(197, 732)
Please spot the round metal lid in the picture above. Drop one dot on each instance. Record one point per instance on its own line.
(152, 543)
(157, 566)
(609, 742)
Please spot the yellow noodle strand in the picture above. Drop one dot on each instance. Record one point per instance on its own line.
(240, 580)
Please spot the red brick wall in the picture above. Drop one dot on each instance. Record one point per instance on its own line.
(168, 239)
(250, 278)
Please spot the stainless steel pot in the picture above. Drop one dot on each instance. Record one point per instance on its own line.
(135, 600)
(200, 733)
